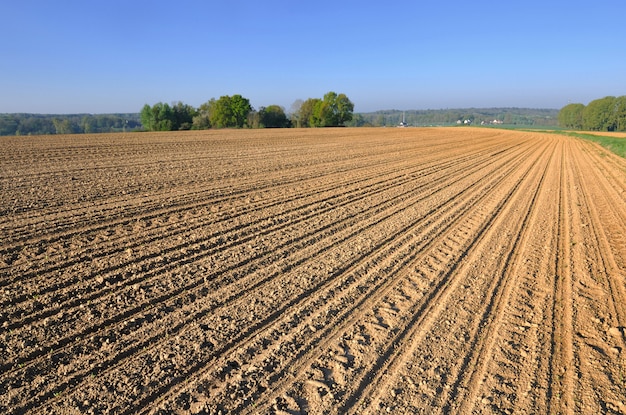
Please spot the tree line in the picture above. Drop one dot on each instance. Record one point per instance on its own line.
(604, 114)
(236, 112)
(333, 110)
(42, 124)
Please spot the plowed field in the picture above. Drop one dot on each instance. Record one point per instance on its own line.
(407, 271)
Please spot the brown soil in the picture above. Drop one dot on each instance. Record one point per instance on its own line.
(457, 270)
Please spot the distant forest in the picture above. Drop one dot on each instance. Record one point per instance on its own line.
(41, 124)
(468, 116)
(36, 124)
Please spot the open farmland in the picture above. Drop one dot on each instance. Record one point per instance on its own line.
(447, 270)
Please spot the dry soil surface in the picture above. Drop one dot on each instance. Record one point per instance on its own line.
(322, 271)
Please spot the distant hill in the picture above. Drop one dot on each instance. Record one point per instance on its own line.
(474, 116)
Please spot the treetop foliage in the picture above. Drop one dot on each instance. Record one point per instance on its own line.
(229, 112)
(603, 114)
(273, 117)
(334, 110)
(163, 117)
(225, 112)
(236, 112)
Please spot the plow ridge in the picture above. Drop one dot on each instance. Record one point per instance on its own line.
(360, 229)
(350, 271)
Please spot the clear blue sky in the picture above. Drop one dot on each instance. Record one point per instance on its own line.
(104, 56)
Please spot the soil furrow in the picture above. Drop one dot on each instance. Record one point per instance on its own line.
(326, 332)
(488, 374)
(440, 270)
(560, 390)
(185, 199)
(394, 343)
(259, 225)
(171, 266)
(204, 204)
(433, 327)
(599, 339)
(604, 212)
(305, 173)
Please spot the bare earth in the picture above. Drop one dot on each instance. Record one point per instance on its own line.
(363, 271)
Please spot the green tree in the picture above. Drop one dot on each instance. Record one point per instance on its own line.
(230, 112)
(64, 126)
(322, 114)
(273, 117)
(221, 115)
(619, 113)
(332, 111)
(240, 108)
(571, 116)
(159, 117)
(344, 108)
(182, 116)
(87, 124)
(147, 118)
(598, 115)
(202, 119)
(306, 117)
(35, 125)
(8, 124)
